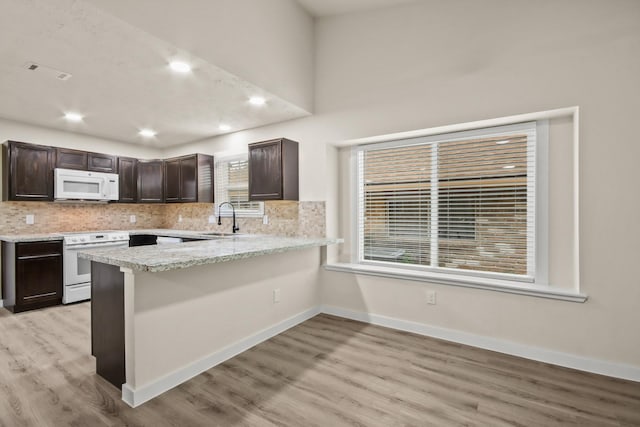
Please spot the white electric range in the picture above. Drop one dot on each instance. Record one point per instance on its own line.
(77, 271)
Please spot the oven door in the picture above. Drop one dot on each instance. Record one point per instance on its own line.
(78, 270)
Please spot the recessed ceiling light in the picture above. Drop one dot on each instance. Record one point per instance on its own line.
(224, 128)
(148, 133)
(180, 67)
(73, 117)
(502, 142)
(257, 100)
(508, 167)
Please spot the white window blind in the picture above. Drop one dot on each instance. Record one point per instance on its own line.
(462, 203)
(232, 185)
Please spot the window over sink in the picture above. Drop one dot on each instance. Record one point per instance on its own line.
(232, 185)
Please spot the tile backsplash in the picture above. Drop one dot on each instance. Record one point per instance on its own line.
(285, 218)
(302, 219)
(51, 217)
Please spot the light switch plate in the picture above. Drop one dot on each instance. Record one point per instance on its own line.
(212, 219)
(265, 219)
(132, 219)
(30, 219)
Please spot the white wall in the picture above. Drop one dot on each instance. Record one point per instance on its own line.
(268, 43)
(16, 131)
(438, 62)
(178, 319)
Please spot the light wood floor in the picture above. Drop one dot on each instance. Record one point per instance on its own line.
(326, 372)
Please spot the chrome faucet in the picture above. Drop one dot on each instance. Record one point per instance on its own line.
(233, 209)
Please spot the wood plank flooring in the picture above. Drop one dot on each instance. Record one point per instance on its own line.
(325, 372)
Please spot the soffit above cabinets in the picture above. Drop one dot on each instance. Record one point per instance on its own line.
(119, 80)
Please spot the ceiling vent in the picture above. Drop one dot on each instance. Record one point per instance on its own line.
(43, 69)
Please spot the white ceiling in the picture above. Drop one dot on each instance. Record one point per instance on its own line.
(319, 8)
(121, 81)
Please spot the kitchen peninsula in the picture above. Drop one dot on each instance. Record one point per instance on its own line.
(163, 314)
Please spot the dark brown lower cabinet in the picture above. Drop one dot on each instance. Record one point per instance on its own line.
(32, 275)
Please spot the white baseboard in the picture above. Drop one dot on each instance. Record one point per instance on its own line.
(617, 370)
(147, 392)
(137, 397)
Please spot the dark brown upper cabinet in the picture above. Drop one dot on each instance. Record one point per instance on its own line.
(273, 170)
(128, 179)
(71, 159)
(76, 159)
(150, 181)
(98, 162)
(189, 179)
(28, 171)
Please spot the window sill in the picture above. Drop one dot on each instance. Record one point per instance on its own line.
(464, 281)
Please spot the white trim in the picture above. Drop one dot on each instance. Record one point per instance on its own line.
(147, 392)
(475, 282)
(541, 249)
(519, 118)
(1, 303)
(425, 135)
(576, 199)
(568, 360)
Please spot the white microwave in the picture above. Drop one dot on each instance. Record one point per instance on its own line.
(72, 184)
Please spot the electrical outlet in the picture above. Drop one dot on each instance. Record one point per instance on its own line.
(265, 219)
(30, 219)
(212, 219)
(276, 295)
(132, 219)
(179, 218)
(431, 297)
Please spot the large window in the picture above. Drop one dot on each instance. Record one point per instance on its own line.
(232, 185)
(462, 203)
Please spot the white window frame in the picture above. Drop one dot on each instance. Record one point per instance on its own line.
(571, 294)
(226, 210)
(537, 262)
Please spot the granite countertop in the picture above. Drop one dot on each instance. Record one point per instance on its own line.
(175, 256)
(15, 238)
(40, 237)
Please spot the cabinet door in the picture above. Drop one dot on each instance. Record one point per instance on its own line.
(30, 172)
(102, 163)
(38, 273)
(189, 179)
(71, 159)
(127, 179)
(150, 181)
(172, 180)
(265, 170)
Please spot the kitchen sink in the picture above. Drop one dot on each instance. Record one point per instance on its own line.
(219, 234)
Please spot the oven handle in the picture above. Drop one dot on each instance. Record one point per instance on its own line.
(96, 245)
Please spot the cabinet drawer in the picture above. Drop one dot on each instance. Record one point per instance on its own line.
(29, 249)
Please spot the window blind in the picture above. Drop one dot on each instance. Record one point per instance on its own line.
(461, 202)
(232, 185)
